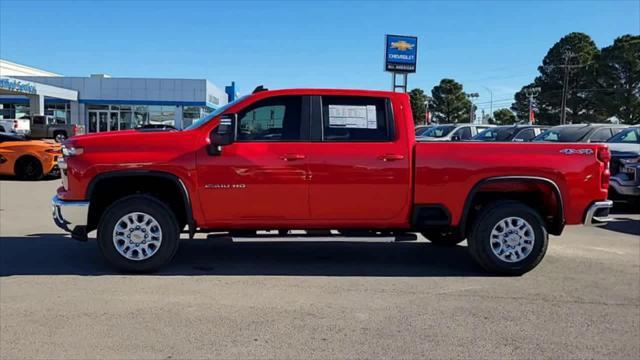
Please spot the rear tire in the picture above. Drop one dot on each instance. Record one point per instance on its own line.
(508, 238)
(138, 234)
(28, 168)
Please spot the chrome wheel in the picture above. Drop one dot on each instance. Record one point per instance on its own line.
(60, 138)
(137, 236)
(512, 239)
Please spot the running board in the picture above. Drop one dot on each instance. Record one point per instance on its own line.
(317, 235)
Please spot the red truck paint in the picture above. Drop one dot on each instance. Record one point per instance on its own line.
(334, 185)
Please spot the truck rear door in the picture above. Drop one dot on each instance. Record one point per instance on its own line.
(359, 161)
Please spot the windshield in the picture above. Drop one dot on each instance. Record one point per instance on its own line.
(439, 131)
(218, 111)
(564, 134)
(495, 134)
(628, 136)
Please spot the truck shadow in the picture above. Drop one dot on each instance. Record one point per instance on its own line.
(56, 254)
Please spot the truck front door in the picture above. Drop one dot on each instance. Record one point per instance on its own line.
(360, 170)
(262, 177)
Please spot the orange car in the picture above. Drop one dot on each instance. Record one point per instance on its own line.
(27, 159)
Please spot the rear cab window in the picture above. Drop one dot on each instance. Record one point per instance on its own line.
(356, 118)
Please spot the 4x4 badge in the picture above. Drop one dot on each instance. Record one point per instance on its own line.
(577, 151)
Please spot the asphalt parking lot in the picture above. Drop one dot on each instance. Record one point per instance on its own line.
(296, 299)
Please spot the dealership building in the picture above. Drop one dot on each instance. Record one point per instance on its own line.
(100, 102)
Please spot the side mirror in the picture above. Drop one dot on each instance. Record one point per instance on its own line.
(224, 134)
(455, 138)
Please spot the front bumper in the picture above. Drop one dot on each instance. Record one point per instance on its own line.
(71, 216)
(598, 213)
(624, 185)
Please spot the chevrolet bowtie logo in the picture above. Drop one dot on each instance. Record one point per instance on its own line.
(402, 45)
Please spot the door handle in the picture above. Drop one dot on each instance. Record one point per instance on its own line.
(391, 157)
(292, 157)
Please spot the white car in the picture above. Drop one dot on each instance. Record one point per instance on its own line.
(628, 140)
(452, 132)
(16, 126)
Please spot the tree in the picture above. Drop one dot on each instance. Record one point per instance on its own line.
(450, 103)
(418, 101)
(618, 78)
(577, 54)
(504, 117)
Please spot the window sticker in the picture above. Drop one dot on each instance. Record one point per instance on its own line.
(353, 117)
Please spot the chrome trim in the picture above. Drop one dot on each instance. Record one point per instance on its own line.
(590, 219)
(70, 215)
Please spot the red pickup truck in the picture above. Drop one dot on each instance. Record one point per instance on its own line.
(310, 159)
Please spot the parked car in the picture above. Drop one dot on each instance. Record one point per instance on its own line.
(324, 160)
(27, 159)
(594, 133)
(421, 129)
(49, 127)
(452, 132)
(520, 133)
(628, 140)
(16, 126)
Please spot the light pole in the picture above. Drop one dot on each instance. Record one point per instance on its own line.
(531, 92)
(471, 96)
(426, 103)
(490, 102)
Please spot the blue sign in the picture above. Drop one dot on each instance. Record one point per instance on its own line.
(17, 86)
(401, 53)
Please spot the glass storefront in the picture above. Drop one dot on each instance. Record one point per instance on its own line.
(13, 111)
(61, 112)
(122, 117)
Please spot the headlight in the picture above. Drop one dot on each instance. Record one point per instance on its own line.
(70, 150)
(630, 161)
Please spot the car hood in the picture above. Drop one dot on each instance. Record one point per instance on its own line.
(624, 147)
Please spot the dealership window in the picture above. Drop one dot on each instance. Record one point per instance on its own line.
(60, 112)
(273, 119)
(13, 111)
(355, 118)
(193, 113)
(164, 115)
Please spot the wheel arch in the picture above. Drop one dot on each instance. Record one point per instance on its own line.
(522, 187)
(137, 178)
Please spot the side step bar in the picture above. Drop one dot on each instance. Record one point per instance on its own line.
(327, 235)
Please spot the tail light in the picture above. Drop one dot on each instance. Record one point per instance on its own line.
(604, 155)
(53, 151)
(74, 130)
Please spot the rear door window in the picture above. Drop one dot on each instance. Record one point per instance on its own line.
(356, 118)
(601, 135)
(525, 135)
(464, 133)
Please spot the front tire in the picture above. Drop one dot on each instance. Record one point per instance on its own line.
(508, 238)
(60, 137)
(28, 168)
(138, 233)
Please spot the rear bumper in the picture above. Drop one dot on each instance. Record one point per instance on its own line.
(598, 213)
(71, 216)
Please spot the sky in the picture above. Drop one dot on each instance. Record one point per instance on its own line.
(488, 46)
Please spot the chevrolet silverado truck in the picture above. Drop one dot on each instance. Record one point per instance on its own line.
(318, 160)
